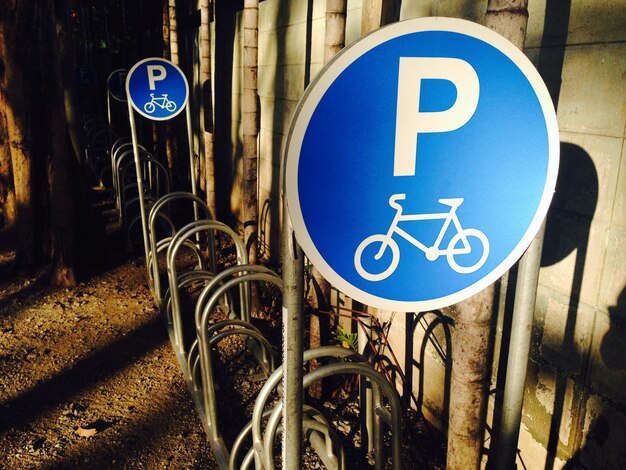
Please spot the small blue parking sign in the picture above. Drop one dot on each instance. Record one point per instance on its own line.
(157, 89)
(421, 163)
(85, 77)
(116, 83)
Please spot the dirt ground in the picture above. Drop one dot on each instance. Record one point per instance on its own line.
(88, 378)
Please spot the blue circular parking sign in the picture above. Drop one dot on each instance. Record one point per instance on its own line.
(157, 89)
(421, 163)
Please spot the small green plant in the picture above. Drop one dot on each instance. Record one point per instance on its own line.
(349, 340)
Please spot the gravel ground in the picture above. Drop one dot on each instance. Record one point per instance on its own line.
(88, 379)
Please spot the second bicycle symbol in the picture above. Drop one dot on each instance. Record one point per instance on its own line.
(465, 242)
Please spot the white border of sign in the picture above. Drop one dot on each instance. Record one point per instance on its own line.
(138, 108)
(325, 79)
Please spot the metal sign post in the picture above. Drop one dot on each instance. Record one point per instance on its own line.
(293, 294)
(158, 90)
(292, 260)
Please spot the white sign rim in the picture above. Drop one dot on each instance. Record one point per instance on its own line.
(138, 108)
(316, 90)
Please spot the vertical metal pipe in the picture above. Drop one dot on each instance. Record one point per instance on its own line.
(109, 116)
(367, 408)
(192, 173)
(293, 294)
(142, 205)
(376, 428)
(519, 349)
(292, 258)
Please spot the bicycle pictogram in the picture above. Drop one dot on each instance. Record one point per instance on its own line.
(454, 254)
(162, 102)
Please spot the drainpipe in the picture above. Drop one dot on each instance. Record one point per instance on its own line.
(519, 349)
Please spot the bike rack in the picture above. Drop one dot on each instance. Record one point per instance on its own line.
(263, 442)
(158, 246)
(241, 276)
(117, 150)
(97, 136)
(109, 166)
(244, 292)
(136, 219)
(209, 335)
(185, 280)
(174, 246)
(239, 442)
(157, 185)
(153, 172)
(118, 160)
(118, 153)
(244, 314)
(209, 288)
(324, 439)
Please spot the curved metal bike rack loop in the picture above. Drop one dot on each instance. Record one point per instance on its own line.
(243, 328)
(154, 247)
(244, 292)
(193, 356)
(162, 245)
(117, 161)
(379, 384)
(315, 424)
(203, 309)
(117, 149)
(151, 167)
(110, 166)
(264, 451)
(178, 240)
(184, 280)
(239, 441)
(205, 343)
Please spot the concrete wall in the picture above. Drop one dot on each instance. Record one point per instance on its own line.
(575, 401)
(577, 378)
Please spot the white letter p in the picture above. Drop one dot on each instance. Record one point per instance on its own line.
(155, 73)
(410, 121)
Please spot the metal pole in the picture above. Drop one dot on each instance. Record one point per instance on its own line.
(293, 294)
(292, 258)
(192, 173)
(367, 409)
(519, 349)
(109, 115)
(142, 206)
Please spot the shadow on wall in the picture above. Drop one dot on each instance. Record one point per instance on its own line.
(598, 440)
(567, 231)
